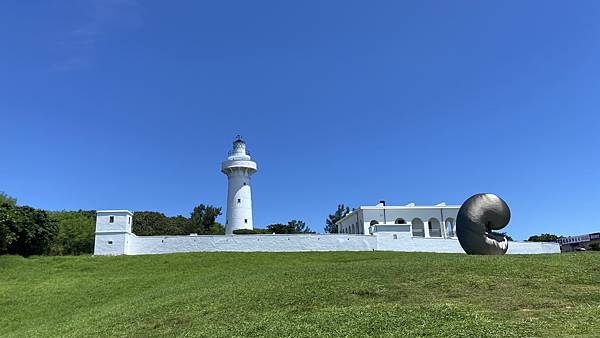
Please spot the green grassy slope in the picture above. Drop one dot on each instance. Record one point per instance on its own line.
(301, 294)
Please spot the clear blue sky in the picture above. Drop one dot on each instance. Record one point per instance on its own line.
(134, 104)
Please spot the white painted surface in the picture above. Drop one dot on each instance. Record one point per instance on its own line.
(239, 168)
(113, 238)
(407, 243)
(441, 216)
(250, 243)
(126, 243)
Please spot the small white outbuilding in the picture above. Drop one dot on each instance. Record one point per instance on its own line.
(413, 220)
(113, 232)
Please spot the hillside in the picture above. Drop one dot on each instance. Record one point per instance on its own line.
(301, 294)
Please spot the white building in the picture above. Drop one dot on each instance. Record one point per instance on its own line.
(417, 221)
(407, 228)
(113, 232)
(238, 167)
(580, 242)
(114, 237)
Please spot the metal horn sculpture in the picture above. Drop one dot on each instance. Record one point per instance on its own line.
(477, 217)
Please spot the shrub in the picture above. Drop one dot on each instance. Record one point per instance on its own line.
(25, 230)
(251, 231)
(75, 234)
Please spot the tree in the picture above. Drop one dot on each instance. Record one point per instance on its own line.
(292, 227)
(177, 225)
(151, 223)
(196, 217)
(254, 231)
(210, 215)
(8, 221)
(217, 229)
(203, 217)
(544, 238)
(330, 225)
(25, 230)
(299, 227)
(5, 199)
(75, 233)
(278, 228)
(202, 221)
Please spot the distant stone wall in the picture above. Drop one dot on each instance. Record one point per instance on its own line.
(140, 245)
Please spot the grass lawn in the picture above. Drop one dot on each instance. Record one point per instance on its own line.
(301, 294)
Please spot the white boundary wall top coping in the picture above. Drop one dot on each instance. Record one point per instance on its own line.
(258, 235)
(114, 212)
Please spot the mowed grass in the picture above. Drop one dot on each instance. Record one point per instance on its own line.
(301, 294)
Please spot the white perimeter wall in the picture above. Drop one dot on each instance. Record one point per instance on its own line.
(248, 243)
(292, 243)
(407, 243)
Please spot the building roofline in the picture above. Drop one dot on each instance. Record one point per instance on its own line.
(114, 212)
(397, 207)
(374, 207)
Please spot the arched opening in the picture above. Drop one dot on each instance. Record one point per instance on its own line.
(450, 227)
(418, 230)
(435, 230)
(374, 222)
(399, 221)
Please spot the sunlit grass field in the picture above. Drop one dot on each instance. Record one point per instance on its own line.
(301, 294)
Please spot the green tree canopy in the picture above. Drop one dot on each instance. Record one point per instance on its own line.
(203, 217)
(292, 227)
(341, 211)
(299, 227)
(544, 238)
(152, 223)
(75, 233)
(5, 199)
(201, 221)
(24, 230)
(279, 228)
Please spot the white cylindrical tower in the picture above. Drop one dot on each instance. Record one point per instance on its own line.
(238, 167)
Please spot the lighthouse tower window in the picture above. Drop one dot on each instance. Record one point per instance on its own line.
(239, 200)
(245, 220)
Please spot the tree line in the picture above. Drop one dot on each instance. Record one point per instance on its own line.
(292, 227)
(28, 231)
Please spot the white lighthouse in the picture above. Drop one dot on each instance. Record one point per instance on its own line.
(238, 167)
